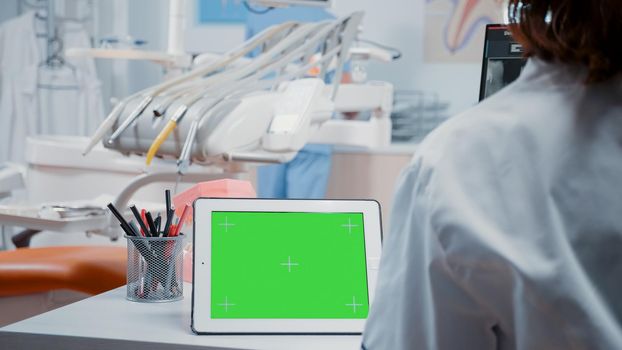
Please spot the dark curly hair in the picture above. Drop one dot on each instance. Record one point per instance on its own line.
(580, 32)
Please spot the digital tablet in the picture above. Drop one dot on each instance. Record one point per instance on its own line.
(264, 266)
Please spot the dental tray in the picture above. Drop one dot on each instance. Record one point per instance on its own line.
(28, 217)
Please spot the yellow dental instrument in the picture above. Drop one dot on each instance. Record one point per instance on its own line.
(163, 135)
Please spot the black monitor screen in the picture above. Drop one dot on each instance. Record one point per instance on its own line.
(503, 60)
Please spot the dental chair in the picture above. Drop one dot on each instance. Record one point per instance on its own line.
(36, 280)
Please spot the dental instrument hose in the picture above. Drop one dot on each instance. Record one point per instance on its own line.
(163, 135)
(183, 162)
(151, 93)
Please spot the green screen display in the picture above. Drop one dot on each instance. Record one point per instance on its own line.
(288, 265)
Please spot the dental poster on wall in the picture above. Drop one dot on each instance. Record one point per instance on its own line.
(454, 29)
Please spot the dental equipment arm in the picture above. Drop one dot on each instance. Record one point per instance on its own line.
(114, 115)
(184, 159)
(250, 112)
(373, 133)
(199, 72)
(266, 65)
(107, 124)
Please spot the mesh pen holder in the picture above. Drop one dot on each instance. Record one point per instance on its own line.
(155, 269)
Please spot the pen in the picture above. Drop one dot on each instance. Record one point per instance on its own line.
(173, 229)
(134, 228)
(139, 219)
(152, 228)
(169, 221)
(124, 225)
(167, 195)
(158, 223)
(169, 213)
(182, 218)
(127, 230)
(143, 215)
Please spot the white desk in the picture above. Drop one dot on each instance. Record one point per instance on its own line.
(109, 321)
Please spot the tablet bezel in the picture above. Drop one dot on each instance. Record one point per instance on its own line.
(201, 321)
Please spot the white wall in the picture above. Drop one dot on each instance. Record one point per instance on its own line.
(8, 9)
(400, 23)
(148, 20)
(111, 17)
(201, 37)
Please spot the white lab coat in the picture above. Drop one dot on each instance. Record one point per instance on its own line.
(19, 58)
(35, 100)
(71, 111)
(507, 225)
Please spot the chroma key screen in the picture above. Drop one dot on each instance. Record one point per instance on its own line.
(271, 265)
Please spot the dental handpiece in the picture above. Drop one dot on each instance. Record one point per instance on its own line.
(183, 163)
(127, 122)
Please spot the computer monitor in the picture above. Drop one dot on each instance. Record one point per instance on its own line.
(503, 60)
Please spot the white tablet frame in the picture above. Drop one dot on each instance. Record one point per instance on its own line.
(201, 321)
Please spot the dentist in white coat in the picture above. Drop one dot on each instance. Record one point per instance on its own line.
(507, 227)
